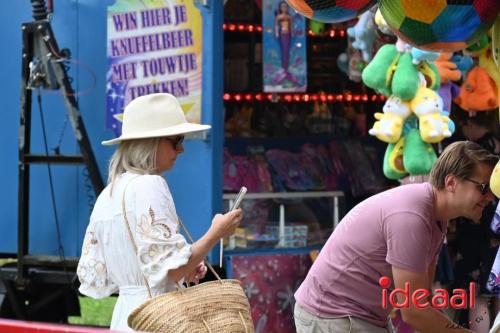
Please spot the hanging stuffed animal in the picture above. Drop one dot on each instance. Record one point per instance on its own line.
(448, 72)
(495, 176)
(413, 116)
(418, 156)
(389, 125)
(393, 71)
(495, 180)
(428, 107)
(393, 160)
(382, 24)
(419, 55)
(364, 35)
(410, 155)
(487, 62)
(378, 73)
(405, 79)
(478, 92)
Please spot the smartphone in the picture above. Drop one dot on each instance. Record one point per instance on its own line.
(239, 197)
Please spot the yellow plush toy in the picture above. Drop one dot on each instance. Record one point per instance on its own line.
(487, 62)
(495, 181)
(382, 24)
(428, 107)
(495, 176)
(389, 125)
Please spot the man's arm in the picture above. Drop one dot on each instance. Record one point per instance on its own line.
(431, 272)
(427, 320)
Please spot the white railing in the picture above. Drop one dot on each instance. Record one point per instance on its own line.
(286, 195)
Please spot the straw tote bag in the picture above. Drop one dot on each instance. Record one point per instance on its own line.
(219, 306)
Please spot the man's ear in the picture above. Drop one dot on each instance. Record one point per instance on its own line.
(450, 183)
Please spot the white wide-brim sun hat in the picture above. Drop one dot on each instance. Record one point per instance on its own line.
(152, 116)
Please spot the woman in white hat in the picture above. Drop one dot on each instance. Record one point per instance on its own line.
(132, 238)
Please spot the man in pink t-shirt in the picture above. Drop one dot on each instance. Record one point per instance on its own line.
(397, 234)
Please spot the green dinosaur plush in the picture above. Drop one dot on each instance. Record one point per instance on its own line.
(405, 80)
(378, 73)
(418, 156)
(430, 71)
(393, 160)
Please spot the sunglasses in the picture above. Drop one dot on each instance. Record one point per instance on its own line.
(484, 188)
(176, 141)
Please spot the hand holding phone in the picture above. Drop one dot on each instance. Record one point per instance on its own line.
(239, 197)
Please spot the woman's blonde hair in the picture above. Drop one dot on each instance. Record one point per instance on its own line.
(138, 156)
(460, 159)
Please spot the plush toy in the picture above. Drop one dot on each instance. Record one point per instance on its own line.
(495, 176)
(464, 63)
(389, 125)
(410, 155)
(495, 180)
(356, 64)
(495, 41)
(405, 80)
(428, 107)
(419, 55)
(478, 92)
(393, 71)
(409, 77)
(487, 62)
(378, 73)
(403, 46)
(382, 24)
(393, 160)
(343, 62)
(364, 35)
(447, 69)
(431, 74)
(418, 156)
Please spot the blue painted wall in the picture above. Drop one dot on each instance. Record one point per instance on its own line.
(80, 25)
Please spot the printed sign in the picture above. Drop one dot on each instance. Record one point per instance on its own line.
(153, 46)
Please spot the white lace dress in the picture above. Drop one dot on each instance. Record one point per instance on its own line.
(108, 263)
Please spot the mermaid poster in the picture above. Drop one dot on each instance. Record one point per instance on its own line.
(284, 48)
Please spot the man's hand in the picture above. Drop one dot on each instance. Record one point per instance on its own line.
(428, 319)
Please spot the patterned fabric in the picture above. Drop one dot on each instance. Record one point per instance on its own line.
(494, 278)
(108, 263)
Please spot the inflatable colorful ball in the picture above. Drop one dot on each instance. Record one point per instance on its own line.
(440, 25)
(331, 11)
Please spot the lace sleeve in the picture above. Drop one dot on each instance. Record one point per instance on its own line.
(92, 271)
(160, 246)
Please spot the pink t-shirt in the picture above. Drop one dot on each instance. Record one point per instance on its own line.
(393, 228)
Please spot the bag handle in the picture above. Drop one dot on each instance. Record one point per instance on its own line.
(134, 245)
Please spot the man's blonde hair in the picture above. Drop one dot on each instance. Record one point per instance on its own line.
(460, 159)
(137, 156)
